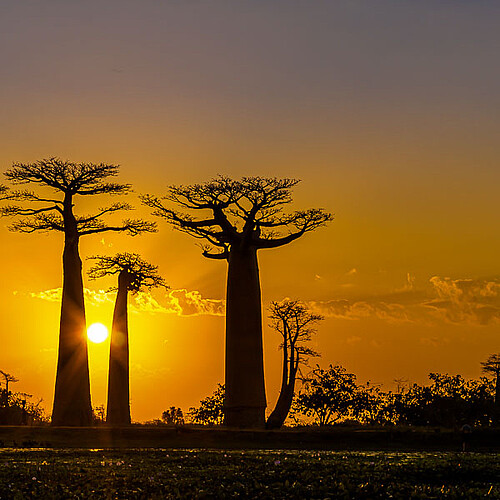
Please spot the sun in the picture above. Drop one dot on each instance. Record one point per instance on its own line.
(97, 332)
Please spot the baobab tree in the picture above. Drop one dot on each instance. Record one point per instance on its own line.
(296, 325)
(54, 211)
(134, 275)
(243, 217)
(492, 367)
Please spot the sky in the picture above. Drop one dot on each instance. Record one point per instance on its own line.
(387, 111)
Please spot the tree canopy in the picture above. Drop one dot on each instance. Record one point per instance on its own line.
(38, 212)
(143, 274)
(246, 212)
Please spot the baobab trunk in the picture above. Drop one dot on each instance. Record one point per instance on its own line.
(245, 399)
(118, 408)
(72, 391)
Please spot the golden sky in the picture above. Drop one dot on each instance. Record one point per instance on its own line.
(388, 114)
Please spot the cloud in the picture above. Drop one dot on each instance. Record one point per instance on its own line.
(191, 303)
(181, 302)
(454, 301)
(459, 301)
(466, 300)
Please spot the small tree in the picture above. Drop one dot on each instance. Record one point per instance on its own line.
(173, 416)
(36, 211)
(492, 367)
(327, 395)
(211, 409)
(134, 275)
(296, 325)
(8, 378)
(243, 217)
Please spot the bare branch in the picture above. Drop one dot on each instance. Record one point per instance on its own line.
(209, 254)
(102, 211)
(131, 226)
(41, 222)
(304, 221)
(26, 195)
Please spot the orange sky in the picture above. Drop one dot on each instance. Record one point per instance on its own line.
(388, 115)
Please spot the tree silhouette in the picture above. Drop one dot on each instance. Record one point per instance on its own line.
(134, 275)
(55, 212)
(8, 378)
(211, 409)
(492, 366)
(243, 217)
(296, 324)
(173, 416)
(328, 395)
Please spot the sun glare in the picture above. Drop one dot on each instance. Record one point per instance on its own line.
(97, 333)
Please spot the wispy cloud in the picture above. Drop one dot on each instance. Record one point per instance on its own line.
(181, 302)
(470, 301)
(457, 301)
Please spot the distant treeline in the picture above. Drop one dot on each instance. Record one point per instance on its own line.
(18, 408)
(333, 396)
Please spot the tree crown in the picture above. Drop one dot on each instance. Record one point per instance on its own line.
(248, 212)
(35, 212)
(296, 324)
(141, 273)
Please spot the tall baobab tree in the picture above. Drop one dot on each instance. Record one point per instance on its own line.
(492, 367)
(134, 275)
(243, 217)
(8, 378)
(54, 211)
(296, 325)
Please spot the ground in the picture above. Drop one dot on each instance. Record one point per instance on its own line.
(157, 473)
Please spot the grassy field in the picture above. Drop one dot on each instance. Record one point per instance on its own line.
(148, 473)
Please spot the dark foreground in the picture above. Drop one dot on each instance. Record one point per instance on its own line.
(156, 473)
(187, 437)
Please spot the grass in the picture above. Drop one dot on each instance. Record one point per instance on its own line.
(148, 473)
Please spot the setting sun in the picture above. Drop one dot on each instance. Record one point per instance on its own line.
(97, 333)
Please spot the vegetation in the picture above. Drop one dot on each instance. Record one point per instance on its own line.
(158, 474)
(332, 395)
(18, 408)
(243, 217)
(211, 409)
(54, 211)
(173, 416)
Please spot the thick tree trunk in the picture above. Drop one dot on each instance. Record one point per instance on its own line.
(72, 391)
(245, 400)
(118, 408)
